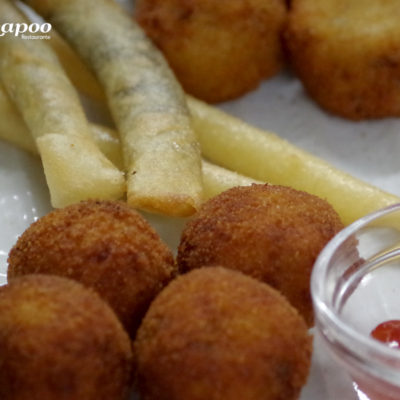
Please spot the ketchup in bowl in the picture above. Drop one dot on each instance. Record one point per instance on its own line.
(388, 332)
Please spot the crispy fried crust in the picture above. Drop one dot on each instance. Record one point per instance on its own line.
(60, 341)
(49, 104)
(216, 334)
(347, 55)
(146, 101)
(105, 245)
(272, 233)
(219, 50)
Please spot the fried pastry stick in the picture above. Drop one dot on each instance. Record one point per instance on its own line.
(161, 153)
(256, 153)
(32, 76)
(13, 129)
(233, 144)
(277, 163)
(77, 71)
(263, 155)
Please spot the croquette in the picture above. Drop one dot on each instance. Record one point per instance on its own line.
(272, 233)
(347, 54)
(60, 341)
(105, 245)
(216, 334)
(218, 50)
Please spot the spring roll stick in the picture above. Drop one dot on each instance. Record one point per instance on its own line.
(77, 71)
(276, 159)
(49, 105)
(12, 126)
(279, 161)
(161, 153)
(233, 144)
(216, 179)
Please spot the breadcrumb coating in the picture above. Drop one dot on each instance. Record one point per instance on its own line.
(218, 50)
(347, 54)
(272, 233)
(216, 334)
(105, 245)
(60, 341)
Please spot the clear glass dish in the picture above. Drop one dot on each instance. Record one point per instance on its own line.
(356, 286)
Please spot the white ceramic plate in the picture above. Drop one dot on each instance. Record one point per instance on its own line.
(368, 150)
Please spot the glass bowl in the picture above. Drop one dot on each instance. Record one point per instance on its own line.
(355, 286)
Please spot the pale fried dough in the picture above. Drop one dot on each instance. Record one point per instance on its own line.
(49, 104)
(161, 154)
(230, 142)
(221, 49)
(347, 54)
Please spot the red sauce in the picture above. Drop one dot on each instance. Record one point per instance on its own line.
(388, 332)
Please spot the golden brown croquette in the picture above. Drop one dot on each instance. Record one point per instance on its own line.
(218, 50)
(216, 334)
(272, 233)
(104, 245)
(347, 54)
(60, 341)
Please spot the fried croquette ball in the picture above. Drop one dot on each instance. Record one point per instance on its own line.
(105, 245)
(216, 334)
(60, 341)
(272, 233)
(347, 54)
(218, 50)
